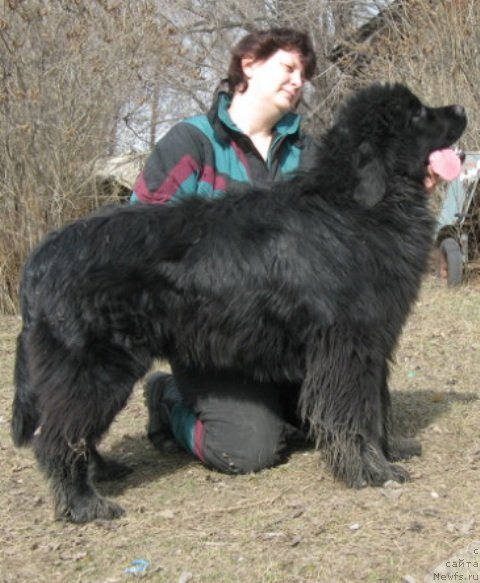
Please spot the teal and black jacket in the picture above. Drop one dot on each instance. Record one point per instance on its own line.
(208, 155)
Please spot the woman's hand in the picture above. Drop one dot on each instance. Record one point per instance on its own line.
(432, 180)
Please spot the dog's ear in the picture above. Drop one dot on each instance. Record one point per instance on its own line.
(371, 177)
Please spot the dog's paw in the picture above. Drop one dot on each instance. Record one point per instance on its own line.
(86, 509)
(391, 473)
(378, 475)
(375, 472)
(396, 474)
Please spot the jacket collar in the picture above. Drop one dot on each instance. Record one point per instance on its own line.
(223, 124)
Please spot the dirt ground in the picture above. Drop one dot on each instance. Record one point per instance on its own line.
(290, 524)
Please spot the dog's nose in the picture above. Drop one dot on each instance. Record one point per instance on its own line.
(459, 110)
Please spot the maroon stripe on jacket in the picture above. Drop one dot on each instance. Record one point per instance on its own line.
(184, 168)
(217, 181)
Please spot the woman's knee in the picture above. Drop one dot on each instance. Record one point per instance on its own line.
(248, 446)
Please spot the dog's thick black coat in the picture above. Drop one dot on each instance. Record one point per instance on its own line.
(308, 283)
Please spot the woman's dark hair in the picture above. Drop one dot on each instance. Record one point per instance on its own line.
(261, 45)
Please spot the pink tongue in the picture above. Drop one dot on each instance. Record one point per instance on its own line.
(445, 163)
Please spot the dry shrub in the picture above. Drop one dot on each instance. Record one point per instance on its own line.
(68, 68)
(430, 45)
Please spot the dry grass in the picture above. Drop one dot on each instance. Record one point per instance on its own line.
(290, 524)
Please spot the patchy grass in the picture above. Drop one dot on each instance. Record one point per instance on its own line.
(289, 524)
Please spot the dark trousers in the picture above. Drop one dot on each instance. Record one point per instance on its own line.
(231, 424)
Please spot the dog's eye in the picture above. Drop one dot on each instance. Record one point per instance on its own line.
(419, 115)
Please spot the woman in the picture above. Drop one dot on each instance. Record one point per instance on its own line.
(250, 136)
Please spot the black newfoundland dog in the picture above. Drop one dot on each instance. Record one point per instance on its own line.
(308, 283)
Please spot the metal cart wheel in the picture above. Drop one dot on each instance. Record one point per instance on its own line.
(449, 266)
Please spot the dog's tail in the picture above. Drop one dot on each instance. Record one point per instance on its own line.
(24, 411)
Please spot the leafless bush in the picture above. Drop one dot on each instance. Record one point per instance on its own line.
(67, 68)
(431, 45)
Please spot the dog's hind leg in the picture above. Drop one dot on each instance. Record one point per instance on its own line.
(341, 399)
(80, 391)
(24, 409)
(75, 497)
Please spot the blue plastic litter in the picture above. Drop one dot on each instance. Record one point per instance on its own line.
(138, 567)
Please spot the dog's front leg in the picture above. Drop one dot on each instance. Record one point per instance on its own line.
(341, 400)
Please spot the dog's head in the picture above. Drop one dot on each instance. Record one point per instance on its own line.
(389, 132)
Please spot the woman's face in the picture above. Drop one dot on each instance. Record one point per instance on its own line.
(276, 81)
